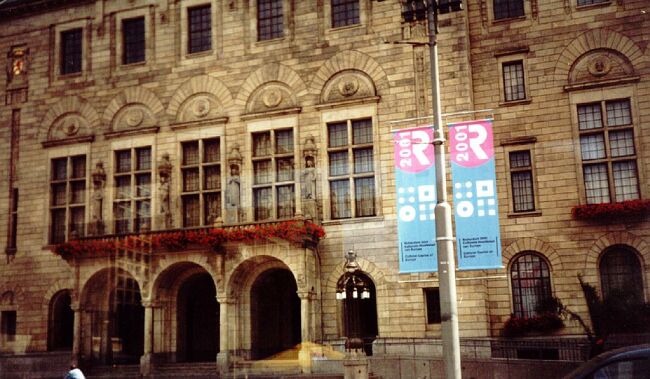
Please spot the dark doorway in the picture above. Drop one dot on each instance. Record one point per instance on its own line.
(198, 320)
(61, 325)
(128, 328)
(275, 314)
(361, 315)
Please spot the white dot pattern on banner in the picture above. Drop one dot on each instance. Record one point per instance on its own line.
(478, 197)
(420, 207)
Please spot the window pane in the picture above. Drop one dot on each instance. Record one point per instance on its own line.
(190, 180)
(626, 182)
(285, 170)
(123, 161)
(522, 191)
(618, 112)
(77, 222)
(338, 163)
(345, 12)
(589, 116)
(200, 29)
(78, 167)
(508, 9)
(143, 182)
(8, 326)
(338, 134)
(513, 81)
(211, 207)
(212, 178)
(60, 169)
(143, 217)
(284, 141)
(58, 226)
(519, 159)
(59, 194)
(592, 146)
(190, 153)
(362, 131)
(432, 296)
(122, 213)
(620, 270)
(134, 40)
(191, 211)
(262, 172)
(621, 143)
(596, 184)
(286, 203)
(363, 161)
(71, 49)
(340, 198)
(531, 284)
(211, 151)
(269, 19)
(143, 159)
(123, 187)
(77, 192)
(589, 2)
(263, 203)
(364, 196)
(261, 144)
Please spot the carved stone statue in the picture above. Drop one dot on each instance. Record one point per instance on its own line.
(99, 183)
(233, 187)
(309, 179)
(164, 173)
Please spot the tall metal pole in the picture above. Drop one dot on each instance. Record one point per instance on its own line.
(444, 233)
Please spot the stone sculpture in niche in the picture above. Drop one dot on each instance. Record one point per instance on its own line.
(164, 173)
(308, 181)
(99, 183)
(233, 187)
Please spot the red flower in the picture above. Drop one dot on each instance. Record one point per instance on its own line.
(607, 211)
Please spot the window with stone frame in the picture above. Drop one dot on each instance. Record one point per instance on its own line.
(132, 181)
(504, 9)
(199, 26)
(8, 326)
(607, 150)
(201, 187)
(432, 298)
(621, 273)
(351, 168)
(591, 2)
(67, 198)
(521, 181)
(514, 86)
(273, 174)
(133, 40)
(270, 19)
(71, 51)
(344, 13)
(530, 279)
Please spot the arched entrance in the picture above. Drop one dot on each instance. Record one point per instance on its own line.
(275, 314)
(61, 322)
(128, 328)
(198, 319)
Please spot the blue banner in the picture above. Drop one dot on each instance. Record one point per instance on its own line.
(415, 179)
(475, 197)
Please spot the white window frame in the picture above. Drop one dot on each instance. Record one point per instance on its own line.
(507, 58)
(510, 170)
(86, 26)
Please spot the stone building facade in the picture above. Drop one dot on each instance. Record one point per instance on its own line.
(125, 117)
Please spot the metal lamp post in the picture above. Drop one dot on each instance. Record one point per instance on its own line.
(350, 289)
(420, 10)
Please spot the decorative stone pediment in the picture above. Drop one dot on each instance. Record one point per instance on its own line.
(269, 97)
(348, 85)
(133, 116)
(69, 125)
(198, 107)
(600, 65)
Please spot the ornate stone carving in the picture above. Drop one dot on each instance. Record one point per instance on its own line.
(165, 175)
(233, 186)
(201, 106)
(271, 96)
(17, 66)
(598, 65)
(133, 116)
(346, 85)
(68, 125)
(99, 182)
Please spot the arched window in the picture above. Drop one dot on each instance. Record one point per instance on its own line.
(531, 283)
(620, 272)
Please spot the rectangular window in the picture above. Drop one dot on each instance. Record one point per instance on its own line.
(71, 51)
(8, 325)
(270, 19)
(345, 12)
(133, 40)
(201, 175)
(513, 81)
(67, 198)
(351, 168)
(508, 9)
(273, 174)
(590, 2)
(199, 28)
(132, 204)
(432, 297)
(521, 178)
(607, 151)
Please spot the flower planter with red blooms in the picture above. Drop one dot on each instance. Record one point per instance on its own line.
(301, 233)
(607, 211)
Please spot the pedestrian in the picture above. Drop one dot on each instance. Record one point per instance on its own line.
(74, 373)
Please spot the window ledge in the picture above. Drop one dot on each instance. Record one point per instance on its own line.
(199, 54)
(345, 103)
(511, 51)
(273, 113)
(131, 132)
(191, 124)
(601, 83)
(337, 29)
(591, 6)
(526, 140)
(126, 66)
(524, 214)
(515, 102)
(508, 19)
(67, 141)
(352, 220)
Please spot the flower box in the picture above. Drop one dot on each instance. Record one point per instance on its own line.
(609, 211)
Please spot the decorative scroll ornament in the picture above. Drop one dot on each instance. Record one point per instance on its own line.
(272, 98)
(134, 117)
(349, 86)
(599, 66)
(201, 107)
(71, 127)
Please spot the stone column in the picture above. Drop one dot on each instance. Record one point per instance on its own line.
(223, 357)
(304, 356)
(76, 339)
(146, 361)
(105, 347)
